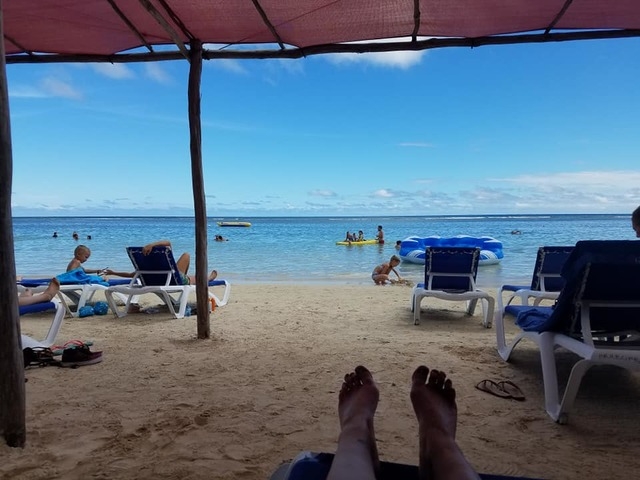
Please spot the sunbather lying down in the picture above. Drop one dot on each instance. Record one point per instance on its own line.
(28, 298)
(434, 403)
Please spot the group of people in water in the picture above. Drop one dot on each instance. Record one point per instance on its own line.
(352, 237)
(74, 235)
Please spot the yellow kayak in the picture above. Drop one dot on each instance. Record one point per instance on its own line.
(364, 242)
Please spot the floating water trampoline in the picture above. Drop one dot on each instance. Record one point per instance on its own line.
(412, 249)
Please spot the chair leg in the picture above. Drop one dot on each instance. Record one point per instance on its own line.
(549, 374)
(417, 299)
(570, 392)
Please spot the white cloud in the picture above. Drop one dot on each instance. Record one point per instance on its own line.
(403, 60)
(158, 74)
(322, 193)
(116, 71)
(54, 87)
(230, 65)
(48, 87)
(383, 193)
(615, 180)
(399, 59)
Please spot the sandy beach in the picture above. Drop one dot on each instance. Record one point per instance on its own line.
(165, 405)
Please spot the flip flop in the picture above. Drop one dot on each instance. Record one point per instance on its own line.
(493, 388)
(512, 390)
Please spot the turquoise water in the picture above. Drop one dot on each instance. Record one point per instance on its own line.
(302, 249)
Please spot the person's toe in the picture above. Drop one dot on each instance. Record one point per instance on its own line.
(436, 379)
(364, 375)
(420, 375)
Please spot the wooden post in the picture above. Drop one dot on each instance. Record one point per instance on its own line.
(197, 180)
(12, 393)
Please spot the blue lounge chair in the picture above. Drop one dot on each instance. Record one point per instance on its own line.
(316, 466)
(450, 274)
(596, 316)
(75, 290)
(53, 329)
(546, 281)
(158, 273)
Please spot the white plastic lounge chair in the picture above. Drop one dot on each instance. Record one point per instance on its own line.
(450, 274)
(596, 316)
(546, 281)
(53, 329)
(315, 466)
(158, 273)
(74, 295)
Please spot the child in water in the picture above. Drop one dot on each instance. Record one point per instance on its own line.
(380, 274)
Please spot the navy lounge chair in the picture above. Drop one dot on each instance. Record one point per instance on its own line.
(78, 293)
(546, 281)
(158, 273)
(450, 274)
(596, 316)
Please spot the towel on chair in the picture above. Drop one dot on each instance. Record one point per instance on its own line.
(80, 276)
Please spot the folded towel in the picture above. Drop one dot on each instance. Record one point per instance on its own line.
(534, 319)
(80, 276)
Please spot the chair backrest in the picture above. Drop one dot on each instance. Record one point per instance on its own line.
(603, 271)
(158, 268)
(451, 268)
(549, 263)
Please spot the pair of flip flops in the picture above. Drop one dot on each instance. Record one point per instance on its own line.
(502, 389)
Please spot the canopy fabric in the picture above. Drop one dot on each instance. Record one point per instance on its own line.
(108, 27)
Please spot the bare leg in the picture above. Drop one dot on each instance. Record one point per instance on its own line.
(434, 401)
(27, 298)
(212, 276)
(183, 263)
(380, 279)
(357, 455)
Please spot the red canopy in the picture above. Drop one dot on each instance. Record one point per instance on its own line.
(107, 27)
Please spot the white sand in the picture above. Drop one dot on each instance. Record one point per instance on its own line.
(164, 405)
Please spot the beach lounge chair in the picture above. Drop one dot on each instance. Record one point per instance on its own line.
(76, 289)
(315, 466)
(450, 274)
(596, 316)
(546, 281)
(158, 273)
(53, 329)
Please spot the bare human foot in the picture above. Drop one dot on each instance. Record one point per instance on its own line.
(52, 289)
(213, 275)
(434, 402)
(357, 454)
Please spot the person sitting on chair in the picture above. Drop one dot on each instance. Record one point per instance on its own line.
(28, 298)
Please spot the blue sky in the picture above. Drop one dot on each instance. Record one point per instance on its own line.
(507, 129)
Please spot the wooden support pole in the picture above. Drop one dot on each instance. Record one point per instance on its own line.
(12, 393)
(197, 180)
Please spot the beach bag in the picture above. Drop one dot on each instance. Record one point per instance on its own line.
(101, 308)
(85, 311)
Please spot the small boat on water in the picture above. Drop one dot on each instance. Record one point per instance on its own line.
(233, 224)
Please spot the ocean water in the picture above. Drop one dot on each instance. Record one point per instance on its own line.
(302, 249)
